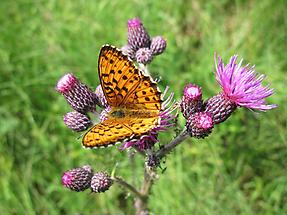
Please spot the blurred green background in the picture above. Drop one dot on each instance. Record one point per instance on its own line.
(240, 169)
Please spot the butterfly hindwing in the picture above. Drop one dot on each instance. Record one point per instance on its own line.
(106, 133)
(145, 96)
(140, 126)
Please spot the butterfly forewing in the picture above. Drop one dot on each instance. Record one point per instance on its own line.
(118, 75)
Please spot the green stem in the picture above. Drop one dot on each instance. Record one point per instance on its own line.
(129, 187)
(170, 146)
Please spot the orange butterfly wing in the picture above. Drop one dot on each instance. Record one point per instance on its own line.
(106, 133)
(125, 87)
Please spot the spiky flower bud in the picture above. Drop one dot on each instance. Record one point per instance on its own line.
(191, 101)
(101, 97)
(158, 45)
(144, 56)
(144, 142)
(77, 121)
(220, 107)
(137, 35)
(199, 124)
(129, 51)
(101, 182)
(78, 95)
(78, 179)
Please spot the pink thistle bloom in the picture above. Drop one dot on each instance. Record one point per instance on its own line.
(200, 124)
(78, 95)
(141, 47)
(138, 36)
(242, 84)
(191, 101)
(78, 179)
(101, 97)
(77, 121)
(101, 182)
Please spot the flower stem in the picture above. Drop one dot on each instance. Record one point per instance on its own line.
(141, 204)
(128, 187)
(170, 146)
(131, 154)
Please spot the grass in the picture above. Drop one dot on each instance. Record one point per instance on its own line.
(239, 169)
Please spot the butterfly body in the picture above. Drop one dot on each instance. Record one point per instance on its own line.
(134, 100)
(132, 113)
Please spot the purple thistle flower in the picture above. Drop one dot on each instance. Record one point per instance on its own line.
(77, 121)
(129, 51)
(158, 45)
(78, 179)
(140, 46)
(101, 182)
(191, 101)
(138, 37)
(199, 124)
(220, 107)
(78, 95)
(144, 55)
(167, 116)
(101, 97)
(242, 85)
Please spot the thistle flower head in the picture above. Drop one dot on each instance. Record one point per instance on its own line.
(220, 107)
(199, 124)
(192, 92)
(77, 94)
(158, 45)
(143, 142)
(77, 121)
(101, 182)
(66, 83)
(129, 51)
(242, 85)
(191, 101)
(78, 179)
(138, 37)
(144, 55)
(101, 97)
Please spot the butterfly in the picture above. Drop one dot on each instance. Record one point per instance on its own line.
(134, 99)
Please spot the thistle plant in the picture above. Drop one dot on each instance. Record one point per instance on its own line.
(241, 86)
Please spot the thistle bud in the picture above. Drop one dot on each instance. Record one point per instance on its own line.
(101, 97)
(137, 35)
(101, 182)
(191, 101)
(199, 124)
(77, 121)
(144, 56)
(158, 45)
(219, 107)
(78, 179)
(78, 95)
(129, 51)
